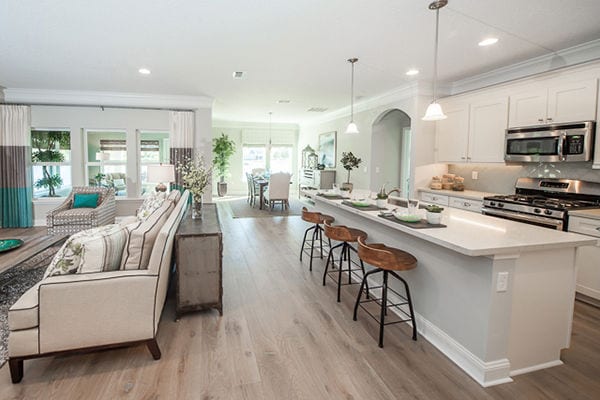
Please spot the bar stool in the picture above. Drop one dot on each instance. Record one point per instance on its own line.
(387, 260)
(345, 235)
(317, 219)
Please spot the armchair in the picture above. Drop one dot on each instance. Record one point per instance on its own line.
(66, 220)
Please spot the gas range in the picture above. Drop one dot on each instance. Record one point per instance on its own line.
(544, 202)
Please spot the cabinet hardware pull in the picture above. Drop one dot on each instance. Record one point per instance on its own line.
(467, 204)
(598, 228)
(462, 158)
(540, 119)
(548, 119)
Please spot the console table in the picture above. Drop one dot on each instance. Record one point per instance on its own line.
(199, 262)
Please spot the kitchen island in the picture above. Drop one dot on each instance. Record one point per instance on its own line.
(495, 296)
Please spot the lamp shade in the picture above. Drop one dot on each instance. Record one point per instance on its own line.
(434, 112)
(102, 156)
(352, 129)
(161, 173)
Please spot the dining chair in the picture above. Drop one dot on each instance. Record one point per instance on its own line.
(279, 190)
(253, 189)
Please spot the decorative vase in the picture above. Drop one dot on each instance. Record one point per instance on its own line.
(381, 203)
(196, 207)
(347, 186)
(222, 189)
(433, 218)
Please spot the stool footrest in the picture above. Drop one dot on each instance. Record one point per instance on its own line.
(333, 276)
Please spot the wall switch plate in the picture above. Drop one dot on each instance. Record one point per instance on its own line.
(365, 169)
(502, 282)
(376, 170)
(474, 175)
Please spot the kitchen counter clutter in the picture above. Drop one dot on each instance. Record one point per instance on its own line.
(483, 287)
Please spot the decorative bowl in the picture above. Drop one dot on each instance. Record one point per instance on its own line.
(360, 203)
(330, 194)
(408, 217)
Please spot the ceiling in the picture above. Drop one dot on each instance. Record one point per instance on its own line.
(293, 50)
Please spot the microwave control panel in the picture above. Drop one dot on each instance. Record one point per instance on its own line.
(574, 144)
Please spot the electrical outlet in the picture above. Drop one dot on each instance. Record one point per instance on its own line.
(365, 169)
(376, 170)
(474, 175)
(502, 282)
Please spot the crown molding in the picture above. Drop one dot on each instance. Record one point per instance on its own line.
(106, 99)
(216, 124)
(568, 57)
(389, 97)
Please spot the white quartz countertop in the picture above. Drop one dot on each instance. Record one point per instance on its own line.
(465, 194)
(591, 213)
(475, 234)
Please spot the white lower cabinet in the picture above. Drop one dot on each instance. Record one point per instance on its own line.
(587, 258)
(435, 198)
(466, 204)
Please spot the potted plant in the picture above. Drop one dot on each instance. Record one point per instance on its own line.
(382, 198)
(223, 149)
(434, 214)
(46, 150)
(349, 162)
(195, 176)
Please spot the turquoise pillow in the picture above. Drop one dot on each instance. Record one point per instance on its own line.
(85, 200)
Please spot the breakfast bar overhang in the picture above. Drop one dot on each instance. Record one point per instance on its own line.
(491, 329)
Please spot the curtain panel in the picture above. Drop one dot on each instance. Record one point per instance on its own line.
(181, 140)
(16, 187)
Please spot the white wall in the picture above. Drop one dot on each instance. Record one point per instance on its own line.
(236, 182)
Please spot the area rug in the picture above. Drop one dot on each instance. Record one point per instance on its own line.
(15, 282)
(240, 208)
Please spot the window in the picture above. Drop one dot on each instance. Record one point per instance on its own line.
(107, 160)
(154, 149)
(51, 157)
(253, 157)
(280, 159)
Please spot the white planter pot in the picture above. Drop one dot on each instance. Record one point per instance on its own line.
(433, 218)
(382, 203)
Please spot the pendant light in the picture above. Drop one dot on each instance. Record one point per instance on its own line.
(352, 129)
(434, 110)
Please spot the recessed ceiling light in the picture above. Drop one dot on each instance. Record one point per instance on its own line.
(317, 109)
(412, 72)
(283, 101)
(144, 71)
(488, 41)
(238, 74)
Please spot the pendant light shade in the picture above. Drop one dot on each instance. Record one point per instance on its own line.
(434, 110)
(352, 129)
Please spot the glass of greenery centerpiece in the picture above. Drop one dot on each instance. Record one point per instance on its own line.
(195, 176)
(223, 149)
(349, 162)
(382, 198)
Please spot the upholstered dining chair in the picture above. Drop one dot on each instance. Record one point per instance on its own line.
(279, 190)
(67, 220)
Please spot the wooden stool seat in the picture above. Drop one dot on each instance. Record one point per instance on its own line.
(346, 236)
(387, 260)
(317, 219)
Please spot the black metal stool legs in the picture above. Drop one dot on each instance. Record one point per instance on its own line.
(330, 257)
(362, 285)
(304, 241)
(410, 305)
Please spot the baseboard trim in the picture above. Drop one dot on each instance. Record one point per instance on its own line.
(487, 374)
(537, 367)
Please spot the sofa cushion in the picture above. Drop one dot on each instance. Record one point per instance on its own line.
(141, 237)
(174, 196)
(152, 201)
(86, 200)
(24, 313)
(92, 250)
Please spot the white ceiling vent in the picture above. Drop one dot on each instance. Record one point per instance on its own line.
(238, 74)
(317, 109)
(283, 101)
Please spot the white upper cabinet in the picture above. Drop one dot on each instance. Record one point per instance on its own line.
(557, 102)
(487, 124)
(453, 133)
(528, 108)
(572, 101)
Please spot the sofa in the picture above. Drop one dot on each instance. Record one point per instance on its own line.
(66, 220)
(77, 312)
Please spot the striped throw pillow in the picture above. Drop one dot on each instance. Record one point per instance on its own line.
(92, 250)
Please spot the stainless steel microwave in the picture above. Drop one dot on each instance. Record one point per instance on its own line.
(550, 143)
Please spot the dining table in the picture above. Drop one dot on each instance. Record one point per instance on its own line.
(262, 185)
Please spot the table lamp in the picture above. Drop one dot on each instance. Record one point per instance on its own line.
(161, 173)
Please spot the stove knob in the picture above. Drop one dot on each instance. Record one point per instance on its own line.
(548, 212)
(492, 203)
(537, 210)
(500, 205)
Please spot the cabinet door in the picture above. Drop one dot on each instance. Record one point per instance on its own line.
(528, 108)
(452, 134)
(574, 101)
(487, 124)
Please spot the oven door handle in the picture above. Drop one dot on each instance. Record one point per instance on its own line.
(562, 140)
(558, 223)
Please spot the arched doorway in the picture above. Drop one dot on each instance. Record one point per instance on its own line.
(390, 151)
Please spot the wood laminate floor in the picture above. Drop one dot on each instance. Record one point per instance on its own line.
(283, 336)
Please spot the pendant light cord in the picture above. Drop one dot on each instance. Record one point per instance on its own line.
(352, 94)
(435, 54)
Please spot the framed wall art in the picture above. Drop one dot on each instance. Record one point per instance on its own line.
(327, 149)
